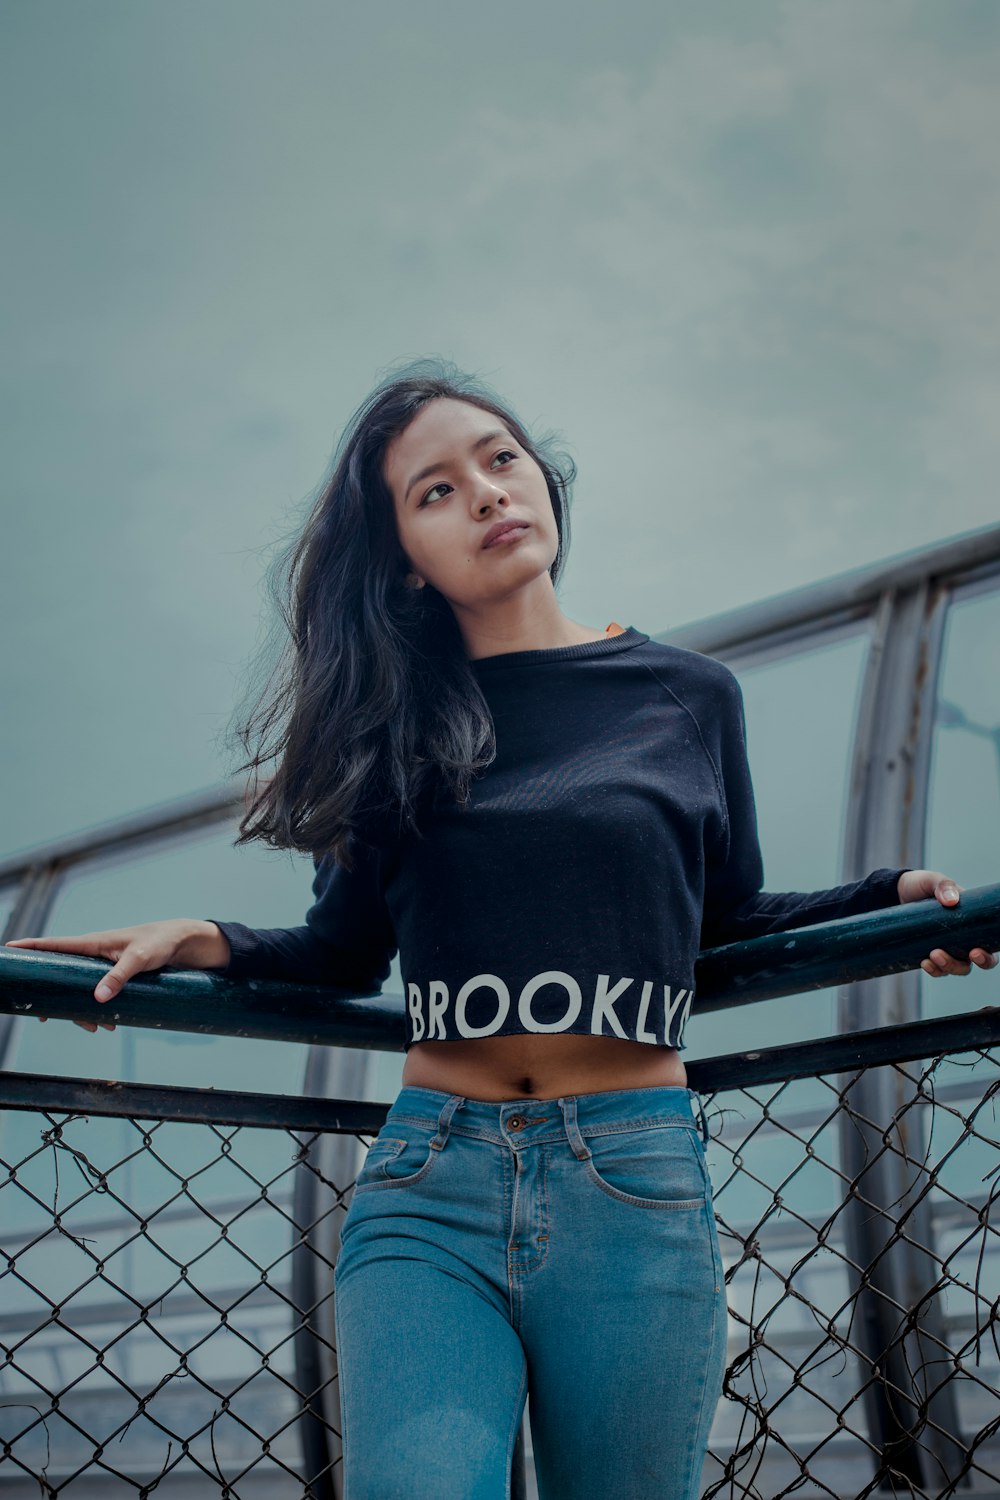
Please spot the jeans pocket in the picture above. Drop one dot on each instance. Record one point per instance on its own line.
(652, 1166)
(400, 1155)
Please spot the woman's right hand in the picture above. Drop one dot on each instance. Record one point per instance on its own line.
(182, 941)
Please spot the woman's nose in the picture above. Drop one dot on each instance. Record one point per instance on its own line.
(491, 494)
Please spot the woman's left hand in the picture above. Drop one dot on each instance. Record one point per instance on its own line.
(917, 885)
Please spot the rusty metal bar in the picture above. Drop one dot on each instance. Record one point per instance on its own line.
(850, 596)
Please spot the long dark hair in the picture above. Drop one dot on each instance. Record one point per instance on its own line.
(372, 702)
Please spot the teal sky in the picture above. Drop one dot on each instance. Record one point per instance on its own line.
(743, 258)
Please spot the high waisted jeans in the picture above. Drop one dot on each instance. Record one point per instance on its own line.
(562, 1251)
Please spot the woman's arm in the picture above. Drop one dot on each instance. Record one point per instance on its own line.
(736, 907)
(347, 939)
(178, 942)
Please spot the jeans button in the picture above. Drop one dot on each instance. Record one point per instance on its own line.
(516, 1122)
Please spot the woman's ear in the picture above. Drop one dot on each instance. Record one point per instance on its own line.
(414, 581)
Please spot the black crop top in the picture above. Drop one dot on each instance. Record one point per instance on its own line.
(614, 835)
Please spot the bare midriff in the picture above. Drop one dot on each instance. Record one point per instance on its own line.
(533, 1066)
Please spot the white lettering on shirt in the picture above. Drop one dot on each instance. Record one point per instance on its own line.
(603, 1006)
(481, 981)
(640, 1034)
(435, 1023)
(550, 976)
(671, 1009)
(437, 1001)
(414, 1002)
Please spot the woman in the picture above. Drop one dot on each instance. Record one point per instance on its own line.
(547, 821)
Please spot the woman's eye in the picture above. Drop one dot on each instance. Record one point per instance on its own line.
(504, 452)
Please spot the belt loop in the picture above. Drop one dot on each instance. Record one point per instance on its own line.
(580, 1148)
(444, 1121)
(702, 1120)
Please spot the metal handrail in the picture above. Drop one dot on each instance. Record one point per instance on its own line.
(843, 951)
(881, 1046)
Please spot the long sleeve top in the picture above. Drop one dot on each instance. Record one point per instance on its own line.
(613, 836)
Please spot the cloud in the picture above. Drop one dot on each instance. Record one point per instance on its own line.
(844, 163)
(792, 238)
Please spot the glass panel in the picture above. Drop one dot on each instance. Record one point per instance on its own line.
(8, 896)
(801, 713)
(385, 1069)
(963, 811)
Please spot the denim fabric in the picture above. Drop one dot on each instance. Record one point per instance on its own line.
(562, 1251)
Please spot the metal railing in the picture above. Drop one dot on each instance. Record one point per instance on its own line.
(166, 1316)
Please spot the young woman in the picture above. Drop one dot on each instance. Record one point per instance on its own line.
(546, 820)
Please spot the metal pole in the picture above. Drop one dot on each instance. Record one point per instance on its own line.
(910, 1406)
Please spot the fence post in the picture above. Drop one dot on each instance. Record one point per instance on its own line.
(881, 1127)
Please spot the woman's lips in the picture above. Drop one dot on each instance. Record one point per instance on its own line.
(510, 535)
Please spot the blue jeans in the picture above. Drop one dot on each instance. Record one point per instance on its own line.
(562, 1251)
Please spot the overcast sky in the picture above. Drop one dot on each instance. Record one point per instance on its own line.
(743, 258)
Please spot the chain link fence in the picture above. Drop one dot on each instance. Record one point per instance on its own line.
(166, 1287)
(849, 1375)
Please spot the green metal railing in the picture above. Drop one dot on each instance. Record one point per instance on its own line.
(846, 950)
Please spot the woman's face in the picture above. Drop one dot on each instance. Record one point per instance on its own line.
(453, 473)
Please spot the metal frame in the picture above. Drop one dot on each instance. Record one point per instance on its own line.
(905, 603)
(888, 813)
